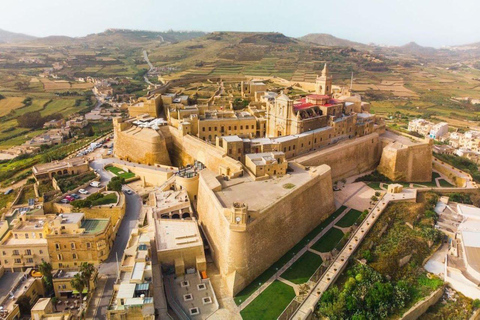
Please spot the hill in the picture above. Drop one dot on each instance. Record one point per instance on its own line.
(415, 49)
(114, 37)
(328, 40)
(11, 37)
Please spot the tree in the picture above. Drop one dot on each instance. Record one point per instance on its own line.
(55, 302)
(24, 305)
(115, 184)
(78, 284)
(87, 270)
(46, 269)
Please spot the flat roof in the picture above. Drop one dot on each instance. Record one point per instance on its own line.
(232, 138)
(126, 290)
(138, 270)
(94, 225)
(260, 194)
(56, 165)
(177, 234)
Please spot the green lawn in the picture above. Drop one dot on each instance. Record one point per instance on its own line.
(107, 199)
(374, 185)
(444, 183)
(303, 268)
(349, 218)
(329, 240)
(120, 172)
(270, 303)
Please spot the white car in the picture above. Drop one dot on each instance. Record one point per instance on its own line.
(83, 191)
(95, 184)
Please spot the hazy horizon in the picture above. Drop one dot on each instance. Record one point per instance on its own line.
(396, 22)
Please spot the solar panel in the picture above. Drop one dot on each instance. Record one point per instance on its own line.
(31, 202)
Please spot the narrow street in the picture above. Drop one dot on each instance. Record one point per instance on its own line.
(108, 269)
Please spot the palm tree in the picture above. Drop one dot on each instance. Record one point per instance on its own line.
(46, 269)
(78, 284)
(87, 270)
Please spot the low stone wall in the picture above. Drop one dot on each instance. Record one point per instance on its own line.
(420, 307)
(149, 176)
(449, 171)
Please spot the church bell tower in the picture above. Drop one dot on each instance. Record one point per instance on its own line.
(323, 85)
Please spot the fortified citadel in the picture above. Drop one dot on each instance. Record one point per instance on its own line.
(267, 169)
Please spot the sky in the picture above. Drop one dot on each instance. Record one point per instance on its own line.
(393, 22)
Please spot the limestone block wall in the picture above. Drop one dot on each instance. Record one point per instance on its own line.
(243, 254)
(145, 145)
(422, 306)
(407, 163)
(347, 158)
(184, 149)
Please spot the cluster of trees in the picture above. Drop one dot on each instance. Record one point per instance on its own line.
(80, 281)
(94, 200)
(365, 295)
(239, 104)
(34, 119)
(462, 164)
(115, 184)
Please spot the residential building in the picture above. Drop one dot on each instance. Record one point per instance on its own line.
(72, 239)
(266, 164)
(47, 171)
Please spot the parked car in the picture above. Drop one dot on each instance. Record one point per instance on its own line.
(75, 196)
(69, 198)
(128, 191)
(95, 184)
(83, 191)
(65, 200)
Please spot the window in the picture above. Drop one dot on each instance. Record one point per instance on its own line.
(16, 236)
(57, 246)
(28, 252)
(230, 151)
(72, 245)
(241, 127)
(235, 127)
(15, 252)
(18, 261)
(59, 257)
(64, 286)
(209, 128)
(293, 147)
(239, 150)
(40, 251)
(229, 127)
(215, 128)
(6, 261)
(88, 245)
(41, 235)
(26, 235)
(246, 127)
(74, 256)
(4, 253)
(203, 129)
(29, 260)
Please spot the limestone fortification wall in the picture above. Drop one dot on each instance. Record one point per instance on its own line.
(407, 163)
(142, 145)
(422, 306)
(153, 176)
(347, 158)
(184, 149)
(243, 254)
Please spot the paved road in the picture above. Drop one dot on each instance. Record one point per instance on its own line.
(108, 269)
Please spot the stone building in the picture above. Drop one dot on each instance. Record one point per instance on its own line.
(266, 164)
(62, 286)
(47, 171)
(25, 244)
(72, 240)
(179, 245)
(151, 105)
